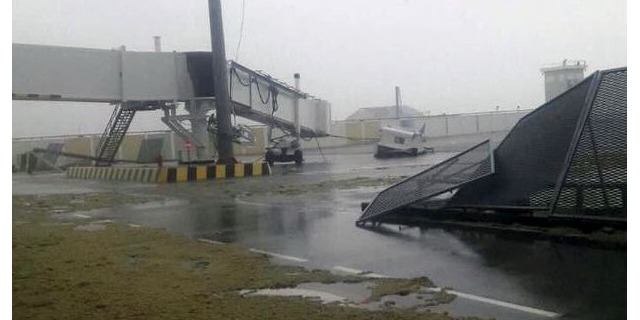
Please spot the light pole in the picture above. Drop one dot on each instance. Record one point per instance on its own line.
(221, 87)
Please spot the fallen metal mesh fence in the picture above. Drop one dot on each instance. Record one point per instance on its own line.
(472, 164)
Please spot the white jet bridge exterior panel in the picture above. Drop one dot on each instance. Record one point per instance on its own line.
(94, 75)
(80, 74)
(74, 73)
(314, 112)
(155, 76)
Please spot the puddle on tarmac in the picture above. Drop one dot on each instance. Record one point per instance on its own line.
(94, 226)
(159, 204)
(90, 227)
(357, 295)
(325, 297)
(425, 300)
(78, 215)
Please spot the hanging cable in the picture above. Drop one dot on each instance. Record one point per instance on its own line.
(233, 71)
(241, 31)
(320, 148)
(233, 112)
(264, 101)
(274, 98)
(274, 108)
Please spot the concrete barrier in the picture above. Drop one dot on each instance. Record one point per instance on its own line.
(212, 172)
(114, 173)
(170, 174)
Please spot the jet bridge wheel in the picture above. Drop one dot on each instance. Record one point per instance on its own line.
(269, 157)
(297, 156)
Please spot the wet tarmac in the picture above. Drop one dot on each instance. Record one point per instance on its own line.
(299, 218)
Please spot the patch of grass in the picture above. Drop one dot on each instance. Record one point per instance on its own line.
(443, 297)
(608, 235)
(564, 231)
(139, 273)
(37, 208)
(401, 287)
(604, 235)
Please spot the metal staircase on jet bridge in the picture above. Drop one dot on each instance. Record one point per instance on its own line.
(113, 135)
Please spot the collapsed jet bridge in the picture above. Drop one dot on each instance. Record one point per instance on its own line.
(564, 160)
(143, 81)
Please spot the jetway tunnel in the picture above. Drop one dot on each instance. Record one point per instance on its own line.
(143, 81)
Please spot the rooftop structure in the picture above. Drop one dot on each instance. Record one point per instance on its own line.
(560, 78)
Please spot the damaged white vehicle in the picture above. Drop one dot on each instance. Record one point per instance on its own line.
(395, 142)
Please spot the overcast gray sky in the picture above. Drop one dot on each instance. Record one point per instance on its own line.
(448, 56)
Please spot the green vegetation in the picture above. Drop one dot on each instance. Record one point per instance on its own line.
(137, 273)
(401, 287)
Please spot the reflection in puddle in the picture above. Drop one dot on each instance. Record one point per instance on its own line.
(90, 227)
(359, 295)
(325, 297)
(94, 226)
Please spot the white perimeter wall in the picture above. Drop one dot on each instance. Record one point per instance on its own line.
(343, 134)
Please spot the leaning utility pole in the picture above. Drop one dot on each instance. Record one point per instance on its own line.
(221, 87)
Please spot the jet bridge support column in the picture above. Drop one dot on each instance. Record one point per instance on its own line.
(198, 117)
(197, 135)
